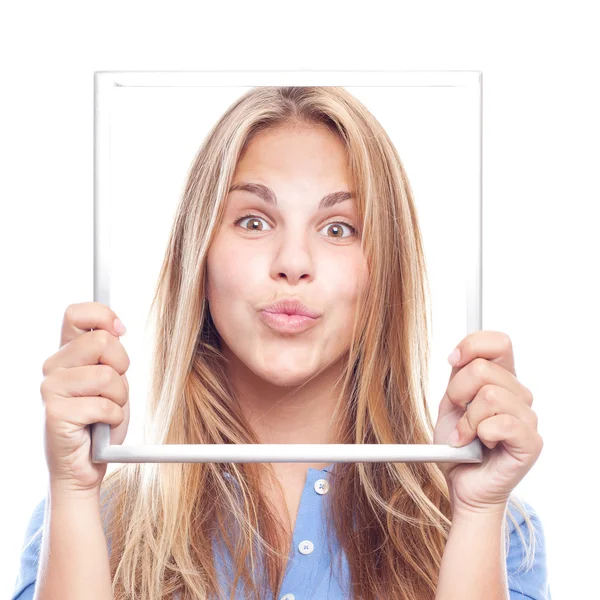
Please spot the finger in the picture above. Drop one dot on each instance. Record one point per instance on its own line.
(516, 436)
(492, 400)
(84, 316)
(85, 411)
(465, 385)
(90, 348)
(495, 346)
(88, 380)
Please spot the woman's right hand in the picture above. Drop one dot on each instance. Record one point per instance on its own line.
(84, 383)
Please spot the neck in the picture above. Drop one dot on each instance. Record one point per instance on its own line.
(297, 414)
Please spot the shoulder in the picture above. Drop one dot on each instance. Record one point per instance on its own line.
(526, 560)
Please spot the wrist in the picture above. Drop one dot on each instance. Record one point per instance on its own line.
(482, 513)
(63, 491)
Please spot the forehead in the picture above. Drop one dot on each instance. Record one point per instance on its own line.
(312, 152)
(300, 164)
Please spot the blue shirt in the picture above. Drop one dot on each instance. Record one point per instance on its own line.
(310, 573)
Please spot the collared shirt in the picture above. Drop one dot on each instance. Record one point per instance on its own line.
(311, 572)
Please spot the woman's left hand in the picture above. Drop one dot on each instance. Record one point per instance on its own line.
(499, 410)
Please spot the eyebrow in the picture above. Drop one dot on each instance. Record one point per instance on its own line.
(267, 194)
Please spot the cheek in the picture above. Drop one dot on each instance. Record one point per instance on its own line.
(344, 282)
(232, 290)
(228, 274)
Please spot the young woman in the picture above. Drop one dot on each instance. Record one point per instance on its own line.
(297, 203)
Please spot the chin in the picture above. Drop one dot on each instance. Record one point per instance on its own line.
(283, 378)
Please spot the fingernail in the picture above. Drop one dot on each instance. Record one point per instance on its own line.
(454, 357)
(453, 439)
(119, 327)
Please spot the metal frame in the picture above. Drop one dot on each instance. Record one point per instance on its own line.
(104, 85)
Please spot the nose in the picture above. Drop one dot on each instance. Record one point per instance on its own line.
(293, 261)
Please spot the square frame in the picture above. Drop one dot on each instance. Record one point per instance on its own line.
(105, 82)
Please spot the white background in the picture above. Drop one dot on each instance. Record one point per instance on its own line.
(540, 190)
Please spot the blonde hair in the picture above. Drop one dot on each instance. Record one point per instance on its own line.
(163, 517)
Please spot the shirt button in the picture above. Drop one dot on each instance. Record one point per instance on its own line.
(321, 486)
(288, 597)
(306, 547)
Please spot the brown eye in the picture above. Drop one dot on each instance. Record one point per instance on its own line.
(338, 231)
(253, 220)
(255, 224)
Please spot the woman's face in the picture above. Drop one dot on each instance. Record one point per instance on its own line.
(289, 248)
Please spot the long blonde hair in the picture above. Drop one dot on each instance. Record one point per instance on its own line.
(163, 517)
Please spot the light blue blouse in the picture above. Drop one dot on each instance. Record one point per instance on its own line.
(311, 573)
